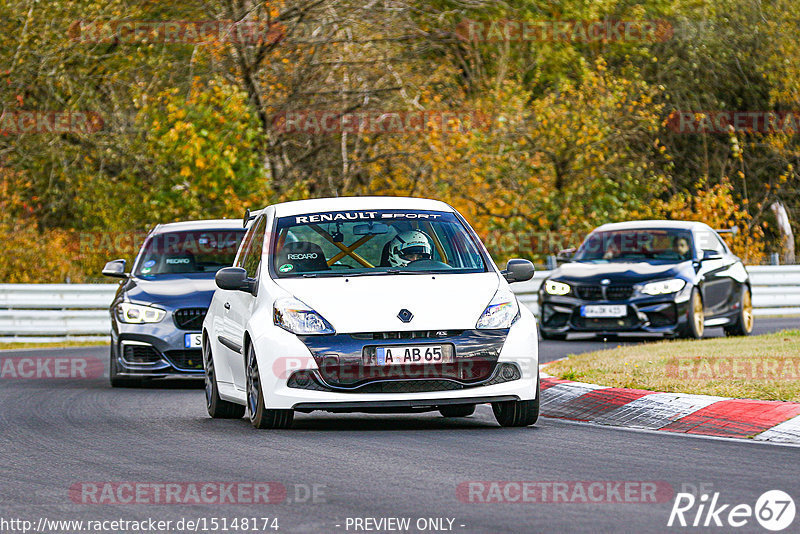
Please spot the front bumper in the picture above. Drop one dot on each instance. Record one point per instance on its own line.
(154, 351)
(661, 314)
(353, 392)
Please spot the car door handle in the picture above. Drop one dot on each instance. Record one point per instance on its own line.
(227, 305)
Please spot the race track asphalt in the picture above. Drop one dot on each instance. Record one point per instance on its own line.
(55, 434)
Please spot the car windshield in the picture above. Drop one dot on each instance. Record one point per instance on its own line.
(374, 242)
(654, 245)
(198, 251)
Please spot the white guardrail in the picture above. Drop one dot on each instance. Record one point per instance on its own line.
(58, 312)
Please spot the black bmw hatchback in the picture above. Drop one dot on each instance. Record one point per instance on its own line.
(666, 277)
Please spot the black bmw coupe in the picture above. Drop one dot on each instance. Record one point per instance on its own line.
(666, 277)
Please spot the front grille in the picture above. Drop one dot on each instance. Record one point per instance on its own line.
(188, 360)
(606, 323)
(407, 335)
(619, 292)
(505, 372)
(190, 318)
(140, 354)
(589, 292)
(610, 293)
(409, 386)
(354, 374)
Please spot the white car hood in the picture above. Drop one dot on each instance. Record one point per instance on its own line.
(372, 303)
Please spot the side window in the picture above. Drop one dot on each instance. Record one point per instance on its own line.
(723, 249)
(253, 256)
(245, 248)
(710, 241)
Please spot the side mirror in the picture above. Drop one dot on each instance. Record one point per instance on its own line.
(234, 279)
(518, 271)
(565, 255)
(115, 269)
(711, 255)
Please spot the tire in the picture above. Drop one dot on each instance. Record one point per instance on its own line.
(117, 381)
(518, 413)
(743, 325)
(695, 319)
(553, 337)
(217, 408)
(260, 416)
(457, 410)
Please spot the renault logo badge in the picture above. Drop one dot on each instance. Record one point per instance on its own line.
(405, 315)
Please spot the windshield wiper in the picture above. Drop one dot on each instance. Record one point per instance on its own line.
(366, 273)
(385, 271)
(398, 271)
(381, 272)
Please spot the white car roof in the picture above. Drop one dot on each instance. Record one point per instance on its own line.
(634, 225)
(316, 205)
(209, 225)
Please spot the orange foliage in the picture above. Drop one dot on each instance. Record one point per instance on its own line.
(717, 206)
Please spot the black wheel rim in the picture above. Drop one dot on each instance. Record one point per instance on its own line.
(253, 389)
(209, 361)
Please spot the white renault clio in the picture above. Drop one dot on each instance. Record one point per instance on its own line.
(368, 304)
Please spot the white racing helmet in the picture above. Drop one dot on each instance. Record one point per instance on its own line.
(405, 245)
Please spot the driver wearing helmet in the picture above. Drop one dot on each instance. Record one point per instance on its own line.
(409, 246)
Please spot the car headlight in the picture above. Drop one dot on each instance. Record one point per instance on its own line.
(552, 287)
(139, 314)
(298, 318)
(501, 312)
(663, 287)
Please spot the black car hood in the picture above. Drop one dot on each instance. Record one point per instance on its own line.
(172, 290)
(621, 273)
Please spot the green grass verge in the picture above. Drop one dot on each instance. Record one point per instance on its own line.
(756, 367)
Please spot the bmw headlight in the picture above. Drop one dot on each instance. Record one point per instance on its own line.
(139, 314)
(501, 312)
(663, 287)
(552, 287)
(298, 318)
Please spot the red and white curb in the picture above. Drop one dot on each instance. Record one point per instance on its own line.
(671, 412)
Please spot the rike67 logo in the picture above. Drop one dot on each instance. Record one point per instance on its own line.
(774, 510)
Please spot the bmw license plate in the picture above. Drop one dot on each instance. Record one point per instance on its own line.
(604, 310)
(193, 341)
(411, 354)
